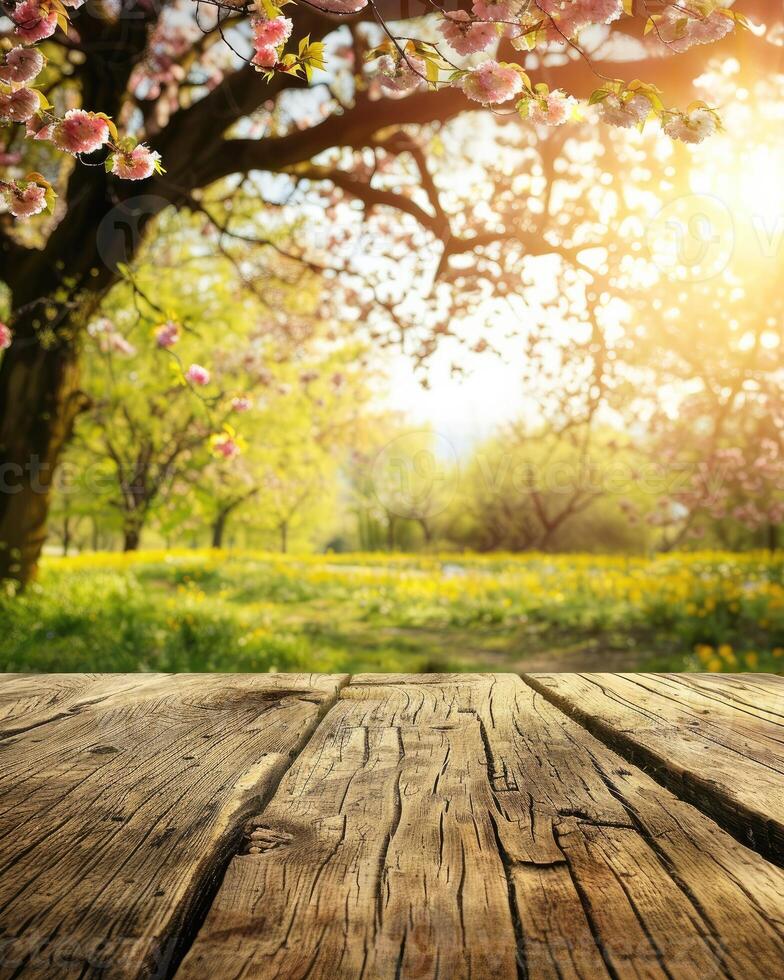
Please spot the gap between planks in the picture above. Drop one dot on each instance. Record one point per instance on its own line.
(729, 766)
(124, 801)
(205, 898)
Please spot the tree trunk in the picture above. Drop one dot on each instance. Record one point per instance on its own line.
(66, 536)
(39, 380)
(218, 528)
(131, 538)
(284, 534)
(39, 402)
(390, 533)
(772, 536)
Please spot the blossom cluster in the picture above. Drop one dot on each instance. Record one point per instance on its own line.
(401, 70)
(77, 131)
(681, 26)
(401, 67)
(524, 22)
(743, 485)
(269, 34)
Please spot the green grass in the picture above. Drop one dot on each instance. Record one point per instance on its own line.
(209, 611)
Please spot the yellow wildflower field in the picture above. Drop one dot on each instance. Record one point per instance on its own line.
(220, 610)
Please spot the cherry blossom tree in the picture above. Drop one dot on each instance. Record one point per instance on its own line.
(115, 113)
(717, 441)
(688, 355)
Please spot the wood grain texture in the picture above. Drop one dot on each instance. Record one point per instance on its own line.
(30, 700)
(719, 744)
(439, 828)
(760, 694)
(117, 817)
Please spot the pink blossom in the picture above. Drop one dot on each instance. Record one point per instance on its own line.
(551, 110)
(339, 6)
(225, 446)
(492, 82)
(681, 27)
(399, 76)
(80, 132)
(241, 404)
(616, 112)
(136, 164)
(167, 334)
(198, 375)
(34, 21)
(270, 33)
(23, 202)
(265, 58)
(21, 65)
(506, 10)
(569, 16)
(692, 127)
(464, 34)
(19, 106)
(38, 129)
(511, 17)
(6, 337)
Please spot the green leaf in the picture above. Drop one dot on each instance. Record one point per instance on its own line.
(270, 9)
(598, 96)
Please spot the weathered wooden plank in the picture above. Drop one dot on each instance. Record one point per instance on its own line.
(30, 700)
(724, 756)
(760, 694)
(663, 891)
(456, 830)
(376, 857)
(116, 819)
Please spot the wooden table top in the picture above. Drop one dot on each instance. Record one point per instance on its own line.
(392, 826)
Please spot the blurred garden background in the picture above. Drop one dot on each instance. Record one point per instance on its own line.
(399, 388)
